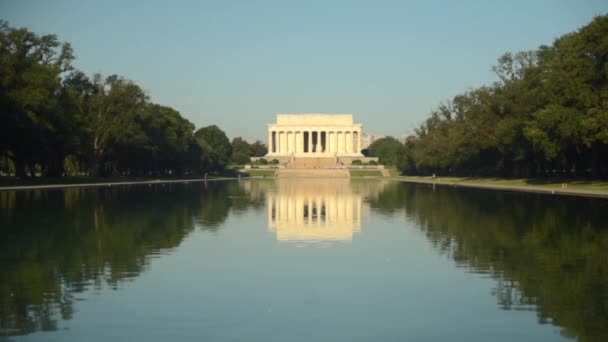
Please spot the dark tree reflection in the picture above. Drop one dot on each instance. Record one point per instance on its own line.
(546, 253)
(55, 244)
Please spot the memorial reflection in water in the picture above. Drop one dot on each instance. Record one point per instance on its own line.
(318, 210)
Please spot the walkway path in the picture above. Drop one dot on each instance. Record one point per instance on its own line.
(523, 188)
(314, 173)
(107, 184)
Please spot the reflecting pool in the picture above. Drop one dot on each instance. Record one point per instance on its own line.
(301, 260)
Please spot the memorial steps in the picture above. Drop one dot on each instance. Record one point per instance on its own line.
(309, 173)
(313, 163)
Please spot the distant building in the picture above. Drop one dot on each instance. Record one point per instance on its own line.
(368, 139)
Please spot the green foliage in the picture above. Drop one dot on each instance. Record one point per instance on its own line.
(389, 152)
(241, 151)
(261, 161)
(240, 158)
(365, 173)
(261, 173)
(52, 113)
(544, 252)
(258, 149)
(33, 126)
(356, 162)
(215, 147)
(82, 239)
(548, 113)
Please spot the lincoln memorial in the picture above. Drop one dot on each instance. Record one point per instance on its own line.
(320, 143)
(314, 135)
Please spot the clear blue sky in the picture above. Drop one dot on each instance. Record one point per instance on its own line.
(238, 63)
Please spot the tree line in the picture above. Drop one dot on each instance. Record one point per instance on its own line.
(547, 115)
(58, 121)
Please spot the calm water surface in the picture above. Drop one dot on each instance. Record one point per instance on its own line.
(301, 260)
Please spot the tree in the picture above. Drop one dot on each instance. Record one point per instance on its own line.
(258, 149)
(241, 151)
(169, 135)
(52, 115)
(76, 92)
(30, 68)
(546, 114)
(215, 148)
(389, 151)
(576, 76)
(115, 104)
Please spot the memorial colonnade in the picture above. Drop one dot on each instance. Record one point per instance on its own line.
(286, 140)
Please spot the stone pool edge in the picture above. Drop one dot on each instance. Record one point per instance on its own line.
(532, 189)
(109, 184)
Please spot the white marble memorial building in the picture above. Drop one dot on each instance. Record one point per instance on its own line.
(314, 135)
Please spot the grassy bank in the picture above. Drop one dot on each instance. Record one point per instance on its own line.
(260, 172)
(365, 173)
(557, 183)
(6, 181)
(13, 181)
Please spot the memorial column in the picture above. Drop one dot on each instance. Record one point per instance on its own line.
(309, 141)
(338, 141)
(276, 141)
(349, 144)
(319, 142)
(334, 139)
(284, 142)
(269, 141)
(319, 145)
